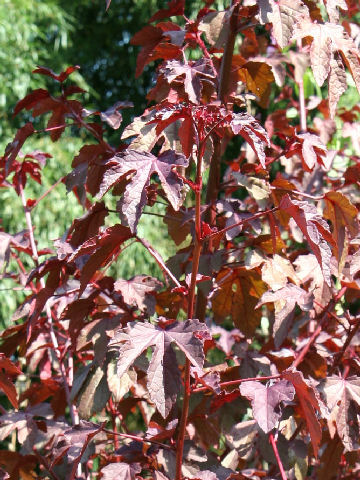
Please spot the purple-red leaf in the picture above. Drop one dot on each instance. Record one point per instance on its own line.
(252, 132)
(141, 166)
(265, 401)
(163, 374)
(61, 77)
(314, 228)
(120, 471)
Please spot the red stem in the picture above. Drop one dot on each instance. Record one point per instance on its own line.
(303, 124)
(35, 256)
(47, 192)
(253, 217)
(190, 313)
(277, 456)
(317, 332)
(237, 382)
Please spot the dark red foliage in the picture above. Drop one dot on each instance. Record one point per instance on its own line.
(242, 361)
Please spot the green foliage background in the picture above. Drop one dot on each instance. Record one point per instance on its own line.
(57, 34)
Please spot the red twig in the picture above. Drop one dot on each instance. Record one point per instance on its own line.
(277, 456)
(303, 124)
(237, 382)
(241, 222)
(47, 192)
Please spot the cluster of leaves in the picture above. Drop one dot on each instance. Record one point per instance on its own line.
(242, 361)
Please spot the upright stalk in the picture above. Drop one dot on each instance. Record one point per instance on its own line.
(73, 414)
(190, 313)
(303, 124)
(212, 190)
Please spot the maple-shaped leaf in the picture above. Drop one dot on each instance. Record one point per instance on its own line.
(97, 251)
(310, 148)
(314, 228)
(61, 77)
(40, 101)
(142, 166)
(257, 187)
(120, 471)
(342, 396)
(332, 9)
(13, 148)
(215, 26)
(258, 77)
(174, 7)
(155, 44)
(7, 368)
(194, 73)
(88, 225)
(252, 132)
(78, 438)
(285, 300)
(136, 291)
(343, 216)
(308, 272)
(337, 82)
(237, 294)
(283, 14)
(266, 400)
(309, 403)
(329, 39)
(275, 272)
(163, 377)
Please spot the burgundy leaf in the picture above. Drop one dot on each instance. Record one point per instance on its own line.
(120, 471)
(266, 400)
(194, 74)
(88, 225)
(252, 132)
(163, 374)
(285, 300)
(13, 148)
(142, 166)
(309, 404)
(61, 77)
(174, 7)
(136, 291)
(314, 228)
(98, 250)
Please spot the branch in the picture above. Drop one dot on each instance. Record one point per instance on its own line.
(159, 260)
(73, 414)
(237, 382)
(190, 313)
(303, 124)
(277, 456)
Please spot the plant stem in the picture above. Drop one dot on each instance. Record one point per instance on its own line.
(190, 312)
(35, 256)
(303, 124)
(253, 217)
(154, 253)
(317, 332)
(237, 382)
(277, 456)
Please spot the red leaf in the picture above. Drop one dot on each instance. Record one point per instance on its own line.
(314, 228)
(309, 404)
(266, 400)
(252, 132)
(9, 389)
(163, 374)
(61, 77)
(14, 147)
(31, 100)
(120, 471)
(175, 7)
(145, 165)
(98, 250)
